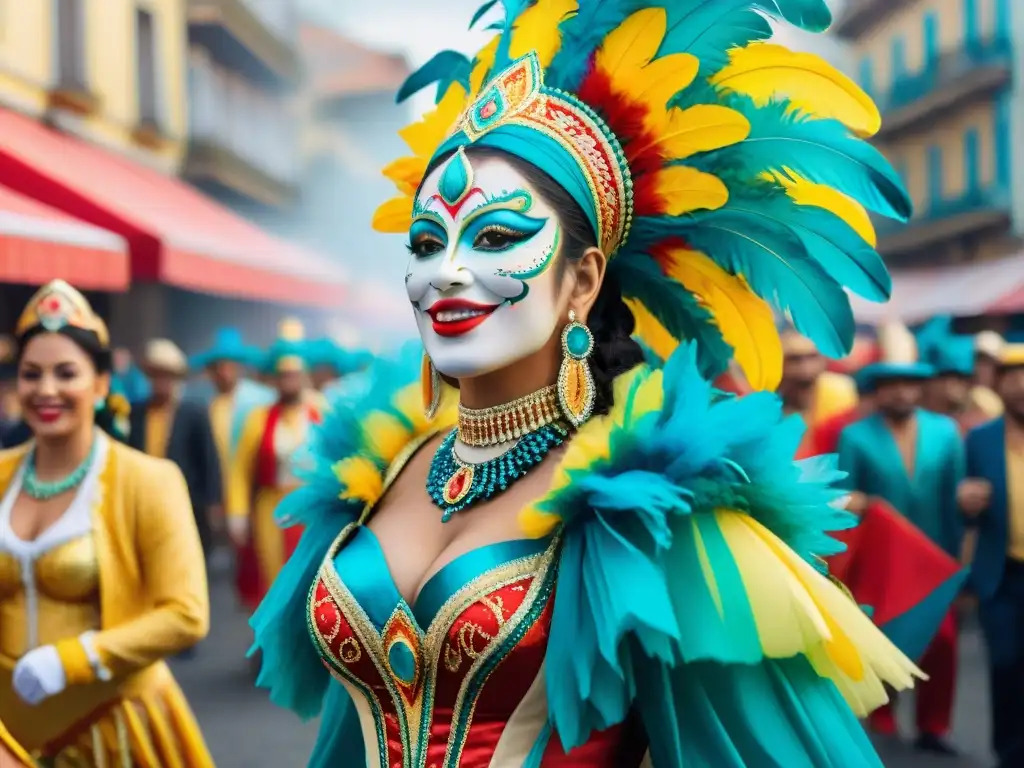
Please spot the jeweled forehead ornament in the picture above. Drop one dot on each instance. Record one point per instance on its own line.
(593, 157)
(56, 306)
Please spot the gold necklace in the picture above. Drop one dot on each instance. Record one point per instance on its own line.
(510, 421)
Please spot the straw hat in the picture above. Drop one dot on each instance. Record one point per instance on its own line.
(163, 355)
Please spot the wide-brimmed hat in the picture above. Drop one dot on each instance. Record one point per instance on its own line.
(228, 345)
(898, 359)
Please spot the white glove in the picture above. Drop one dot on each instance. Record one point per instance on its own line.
(39, 675)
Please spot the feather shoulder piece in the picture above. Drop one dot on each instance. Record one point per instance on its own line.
(692, 548)
(343, 471)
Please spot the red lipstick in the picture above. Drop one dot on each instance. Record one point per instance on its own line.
(457, 317)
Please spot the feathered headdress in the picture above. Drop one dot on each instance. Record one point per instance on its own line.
(722, 174)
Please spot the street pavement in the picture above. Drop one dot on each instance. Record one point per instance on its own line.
(244, 730)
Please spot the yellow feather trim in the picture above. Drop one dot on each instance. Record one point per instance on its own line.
(538, 29)
(384, 435)
(482, 65)
(394, 216)
(662, 79)
(804, 192)
(632, 45)
(407, 173)
(591, 442)
(746, 321)
(651, 331)
(425, 135)
(798, 610)
(683, 189)
(684, 132)
(360, 478)
(765, 71)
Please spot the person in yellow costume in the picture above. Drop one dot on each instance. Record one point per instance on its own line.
(261, 471)
(101, 569)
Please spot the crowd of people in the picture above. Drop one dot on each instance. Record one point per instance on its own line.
(579, 529)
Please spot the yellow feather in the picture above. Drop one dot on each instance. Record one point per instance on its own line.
(482, 65)
(384, 435)
(426, 135)
(684, 189)
(805, 192)
(662, 79)
(764, 71)
(632, 45)
(407, 173)
(746, 322)
(394, 216)
(650, 331)
(361, 478)
(538, 29)
(684, 132)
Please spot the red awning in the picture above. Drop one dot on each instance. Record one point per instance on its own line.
(39, 244)
(964, 290)
(175, 234)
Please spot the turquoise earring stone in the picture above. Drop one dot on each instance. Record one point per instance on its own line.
(578, 342)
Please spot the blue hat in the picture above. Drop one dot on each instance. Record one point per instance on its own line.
(290, 352)
(228, 345)
(945, 351)
(899, 359)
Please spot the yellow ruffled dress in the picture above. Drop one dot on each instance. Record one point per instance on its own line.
(124, 562)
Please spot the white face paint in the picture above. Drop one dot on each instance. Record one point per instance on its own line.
(480, 275)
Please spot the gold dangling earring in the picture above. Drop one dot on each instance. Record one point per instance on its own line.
(430, 381)
(576, 390)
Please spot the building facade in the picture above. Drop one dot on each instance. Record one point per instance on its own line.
(243, 76)
(943, 75)
(57, 64)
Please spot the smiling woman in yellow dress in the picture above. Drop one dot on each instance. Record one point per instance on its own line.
(101, 569)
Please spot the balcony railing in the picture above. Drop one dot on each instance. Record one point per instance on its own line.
(949, 72)
(229, 112)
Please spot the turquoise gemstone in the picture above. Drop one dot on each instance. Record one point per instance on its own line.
(456, 178)
(402, 661)
(578, 341)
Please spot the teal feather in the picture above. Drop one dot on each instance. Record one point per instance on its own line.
(774, 261)
(444, 68)
(836, 246)
(513, 10)
(708, 29)
(675, 308)
(481, 12)
(822, 151)
(582, 35)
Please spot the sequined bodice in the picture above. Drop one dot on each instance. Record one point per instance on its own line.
(440, 681)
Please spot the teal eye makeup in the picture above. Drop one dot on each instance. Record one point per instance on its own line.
(426, 238)
(500, 230)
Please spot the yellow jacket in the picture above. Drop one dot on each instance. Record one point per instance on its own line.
(834, 393)
(154, 600)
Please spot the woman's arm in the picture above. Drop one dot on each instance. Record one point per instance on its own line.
(173, 574)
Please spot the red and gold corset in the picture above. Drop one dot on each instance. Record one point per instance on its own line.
(456, 680)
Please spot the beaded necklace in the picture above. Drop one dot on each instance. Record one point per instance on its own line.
(454, 484)
(42, 490)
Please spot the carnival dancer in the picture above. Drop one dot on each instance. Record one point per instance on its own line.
(225, 364)
(261, 471)
(993, 498)
(913, 459)
(168, 425)
(101, 568)
(587, 560)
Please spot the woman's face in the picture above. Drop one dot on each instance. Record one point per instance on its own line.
(481, 274)
(58, 386)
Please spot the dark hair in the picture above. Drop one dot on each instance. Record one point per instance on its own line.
(610, 320)
(102, 361)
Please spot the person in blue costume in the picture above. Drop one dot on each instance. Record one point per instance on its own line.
(330, 362)
(538, 550)
(914, 460)
(951, 390)
(236, 396)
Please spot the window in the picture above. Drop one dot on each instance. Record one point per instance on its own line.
(971, 174)
(899, 58)
(70, 44)
(970, 22)
(931, 39)
(145, 66)
(866, 74)
(934, 174)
